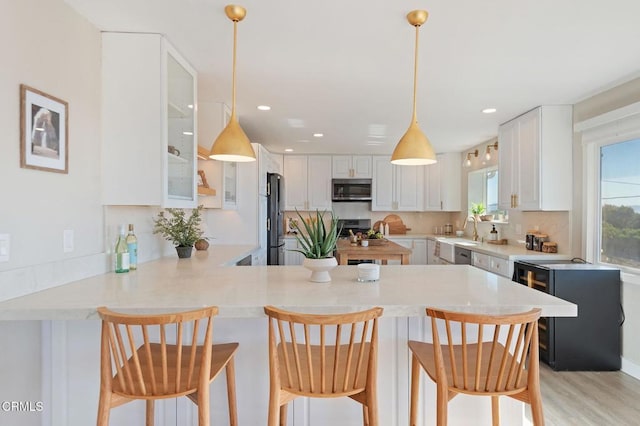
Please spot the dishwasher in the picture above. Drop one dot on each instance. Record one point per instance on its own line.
(462, 256)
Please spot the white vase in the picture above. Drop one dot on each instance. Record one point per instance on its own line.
(320, 268)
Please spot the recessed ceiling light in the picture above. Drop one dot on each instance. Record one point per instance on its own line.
(288, 150)
(187, 133)
(264, 107)
(190, 106)
(318, 135)
(489, 110)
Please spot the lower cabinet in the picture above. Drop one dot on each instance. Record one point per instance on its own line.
(497, 265)
(418, 247)
(292, 257)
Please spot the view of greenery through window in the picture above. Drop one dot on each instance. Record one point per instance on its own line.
(620, 203)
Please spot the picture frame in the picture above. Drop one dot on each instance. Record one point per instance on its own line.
(44, 131)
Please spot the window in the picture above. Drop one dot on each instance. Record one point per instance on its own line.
(619, 226)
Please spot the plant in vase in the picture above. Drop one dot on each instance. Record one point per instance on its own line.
(317, 242)
(181, 231)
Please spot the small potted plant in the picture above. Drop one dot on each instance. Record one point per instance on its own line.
(317, 243)
(477, 209)
(182, 232)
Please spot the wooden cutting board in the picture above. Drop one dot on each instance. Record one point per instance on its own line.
(396, 226)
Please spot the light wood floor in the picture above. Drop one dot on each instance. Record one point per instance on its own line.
(589, 398)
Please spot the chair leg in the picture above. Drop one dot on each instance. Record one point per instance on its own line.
(283, 415)
(495, 410)
(372, 404)
(536, 406)
(150, 413)
(104, 407)
(203, 406)
(231, 392)
(441, 404)
(365, 415)
(274, 408)
(415, 390)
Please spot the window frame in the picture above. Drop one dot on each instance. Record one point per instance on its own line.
(621, 125)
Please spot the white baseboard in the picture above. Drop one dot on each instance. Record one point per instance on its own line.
(630, 368)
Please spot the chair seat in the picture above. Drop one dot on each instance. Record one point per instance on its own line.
(220, 356)
(312, 381)
(424, 352)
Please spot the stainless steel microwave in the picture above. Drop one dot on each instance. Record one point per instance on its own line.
(351, 190)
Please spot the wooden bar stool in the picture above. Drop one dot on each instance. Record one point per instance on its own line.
(322, 356)
(132, 367)
(468, 364)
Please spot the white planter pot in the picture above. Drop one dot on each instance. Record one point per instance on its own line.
(320, 268)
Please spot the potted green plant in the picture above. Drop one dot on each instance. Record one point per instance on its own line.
(317, 242)
(183, 232)
(477, 209)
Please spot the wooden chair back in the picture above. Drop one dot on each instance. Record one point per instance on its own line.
(138, 367)
(322, 355)
(478, 363)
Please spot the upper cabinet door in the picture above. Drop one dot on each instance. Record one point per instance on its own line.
(362, 166)
(295, 182)
(382, 186)
(148, 123)
(409, 188)
(319, 182)
(536, 160)
(352, 166)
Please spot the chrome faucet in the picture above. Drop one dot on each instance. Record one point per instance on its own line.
(475, 226)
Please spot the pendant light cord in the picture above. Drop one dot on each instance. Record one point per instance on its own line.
(233, 77)
(415, 76)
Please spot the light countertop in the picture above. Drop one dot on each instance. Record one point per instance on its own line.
(172, 284)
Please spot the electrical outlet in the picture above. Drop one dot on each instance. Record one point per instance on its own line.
(67, 241)
(5, 245)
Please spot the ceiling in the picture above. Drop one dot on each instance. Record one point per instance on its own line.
(345, 68)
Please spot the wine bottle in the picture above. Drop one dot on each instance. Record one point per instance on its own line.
(122, 253)
(132, 245)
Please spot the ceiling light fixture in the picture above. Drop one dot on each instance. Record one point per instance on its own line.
(232, 144)
(318, 135)
(264, 107)
(288, 150)
(467, 162)
(488, 151)
(414, 148)
(489, 110)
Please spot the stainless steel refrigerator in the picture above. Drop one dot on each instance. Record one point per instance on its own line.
(275, 219)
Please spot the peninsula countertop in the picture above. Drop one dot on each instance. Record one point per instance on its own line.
(171, 284)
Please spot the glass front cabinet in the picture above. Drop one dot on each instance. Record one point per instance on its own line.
(149, 122)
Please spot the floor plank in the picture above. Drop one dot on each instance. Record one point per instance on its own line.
(589, 398)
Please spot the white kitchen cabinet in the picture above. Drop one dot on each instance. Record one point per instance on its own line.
(149, 126)
(396, 188)
(535, 160)
(292, 257)
(351, 166)
(443, 183)
(418, 248)
(307, 182)
(494, 264)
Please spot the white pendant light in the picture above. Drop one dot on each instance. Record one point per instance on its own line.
(414, 148)
(232, 144)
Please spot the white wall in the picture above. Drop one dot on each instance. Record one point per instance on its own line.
(46, 45)
(51, 48)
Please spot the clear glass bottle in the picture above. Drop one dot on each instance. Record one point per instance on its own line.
(493, 235)
(121, 253)
(132, 245)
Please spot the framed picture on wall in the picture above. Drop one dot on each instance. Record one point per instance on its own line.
(44, 126)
